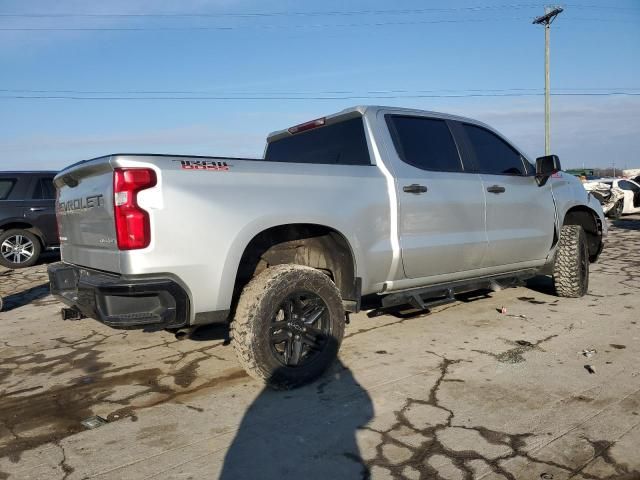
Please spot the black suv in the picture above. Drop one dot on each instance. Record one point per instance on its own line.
(27, 217)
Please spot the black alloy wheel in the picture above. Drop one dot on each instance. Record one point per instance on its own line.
(300, 328)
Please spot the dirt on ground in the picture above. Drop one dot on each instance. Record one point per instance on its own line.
(550, 389)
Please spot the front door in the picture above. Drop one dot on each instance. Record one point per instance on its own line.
(441, 207)
(520, 214)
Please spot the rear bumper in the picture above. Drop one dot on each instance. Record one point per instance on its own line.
(118, 302)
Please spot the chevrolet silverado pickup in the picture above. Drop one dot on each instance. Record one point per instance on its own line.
(410, 205)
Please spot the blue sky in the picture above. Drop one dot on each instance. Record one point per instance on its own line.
(249, 50)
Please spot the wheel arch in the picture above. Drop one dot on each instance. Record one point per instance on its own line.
(591, 223)
(21, 224)
(313, 245)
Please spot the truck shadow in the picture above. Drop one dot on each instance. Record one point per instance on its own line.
(207, 333)
(541, 284)
(373, 304)
(25, 297)
(309, 432)
(627, 224)
(33, 283)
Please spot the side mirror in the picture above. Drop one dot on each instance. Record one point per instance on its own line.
(547, 165)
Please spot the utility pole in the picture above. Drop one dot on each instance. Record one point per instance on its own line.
(547, 19)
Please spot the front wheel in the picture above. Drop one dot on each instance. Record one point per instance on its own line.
(19, 248)
(616, 212)
(571, 267)
(288, 325)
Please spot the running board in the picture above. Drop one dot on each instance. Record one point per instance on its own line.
(414, 298)
(428, 297)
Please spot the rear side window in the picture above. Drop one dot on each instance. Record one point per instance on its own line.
(44, 189)
(342, 143)
(493, 155)
(425, 143)
(6, 185)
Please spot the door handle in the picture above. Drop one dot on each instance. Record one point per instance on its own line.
(496, 189)
(37, 209)
(414, 188)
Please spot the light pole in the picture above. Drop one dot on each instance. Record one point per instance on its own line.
(547, 19)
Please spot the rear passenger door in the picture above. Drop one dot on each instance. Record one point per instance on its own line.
(11, 205)
(441, 206)
(39, 207)
(520, 214)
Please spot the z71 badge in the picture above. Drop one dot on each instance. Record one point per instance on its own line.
(203, 165)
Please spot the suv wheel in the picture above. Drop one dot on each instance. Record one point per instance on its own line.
(288, 325)
(19, 248)
(571, 267)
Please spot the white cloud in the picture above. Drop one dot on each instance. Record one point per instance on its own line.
(596, 132)
(589, 130)
(49, 151)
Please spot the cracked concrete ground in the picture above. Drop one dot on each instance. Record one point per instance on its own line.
(463, 392)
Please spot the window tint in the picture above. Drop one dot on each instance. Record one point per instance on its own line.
(625, 185)
(6, 185)
(493, 155)
(424, 143)
(44, 189)
(342, 143)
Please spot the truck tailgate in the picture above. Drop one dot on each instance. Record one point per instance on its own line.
(85, 215)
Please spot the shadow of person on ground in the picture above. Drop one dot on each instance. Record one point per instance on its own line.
(307, 433)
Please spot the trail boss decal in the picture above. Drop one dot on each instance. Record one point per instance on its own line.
(204, 165)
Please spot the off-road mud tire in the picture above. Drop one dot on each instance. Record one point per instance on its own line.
(256, 308)
(571, 267)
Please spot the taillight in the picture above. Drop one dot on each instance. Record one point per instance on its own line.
(133, 229)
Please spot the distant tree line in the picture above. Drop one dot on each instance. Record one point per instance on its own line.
(609, 172)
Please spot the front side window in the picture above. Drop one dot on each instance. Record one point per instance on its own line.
(342, 143)
(425, 143)
(6, 185)
(624, 185)
(493, 155)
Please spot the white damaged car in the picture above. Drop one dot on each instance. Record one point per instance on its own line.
(630, 191)
(610, 197)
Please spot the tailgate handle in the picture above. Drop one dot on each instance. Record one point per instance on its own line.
(496, 189)
(37, 209)
(414, 188)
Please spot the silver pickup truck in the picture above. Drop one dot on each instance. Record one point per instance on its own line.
(410, 205)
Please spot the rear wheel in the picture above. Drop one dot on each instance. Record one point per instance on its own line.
(288, 325)
(19, 248)
(571, 267)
